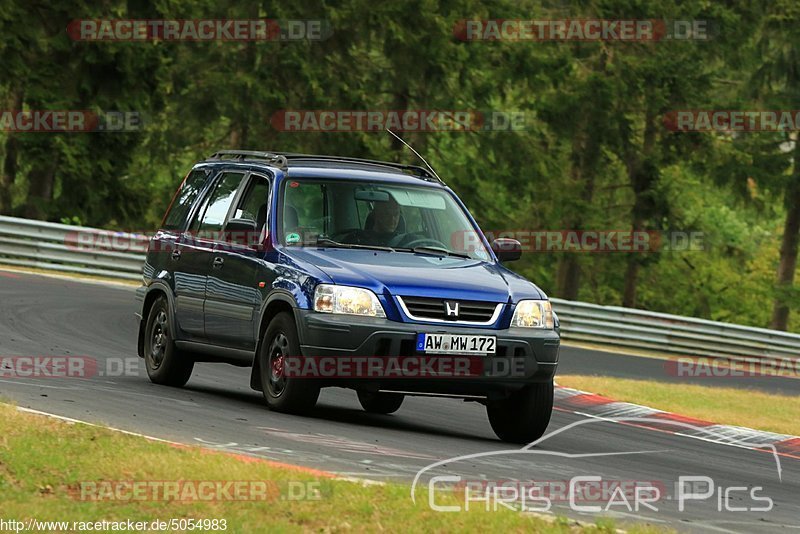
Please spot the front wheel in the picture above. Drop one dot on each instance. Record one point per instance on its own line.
(524, 415)
(382, 403)
(165, 363)
(289, 395)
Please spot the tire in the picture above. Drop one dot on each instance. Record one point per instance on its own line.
(165, 363)
(288, 395)
(382, 403)
(523, 416)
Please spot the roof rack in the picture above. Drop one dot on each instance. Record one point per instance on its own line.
(240, 155)
(421, 172)
(281, 159)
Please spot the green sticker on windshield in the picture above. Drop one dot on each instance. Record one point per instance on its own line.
(292, 238)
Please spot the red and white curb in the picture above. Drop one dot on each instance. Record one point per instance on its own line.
(597, 406)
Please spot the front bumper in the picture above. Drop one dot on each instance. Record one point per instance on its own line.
(523, 355)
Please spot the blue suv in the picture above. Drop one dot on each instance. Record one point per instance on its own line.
(320, 271)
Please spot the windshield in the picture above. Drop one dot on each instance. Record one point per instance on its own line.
(374, 214)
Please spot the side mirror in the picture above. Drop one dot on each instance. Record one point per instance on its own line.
(507, 249)
(241, 231)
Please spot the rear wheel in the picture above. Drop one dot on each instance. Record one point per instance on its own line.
(289, 395)
(383, 403)
(165, 363)
(523, 416)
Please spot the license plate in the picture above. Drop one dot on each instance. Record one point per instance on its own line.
(456, 344)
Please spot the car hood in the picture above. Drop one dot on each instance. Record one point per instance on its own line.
(409, 274)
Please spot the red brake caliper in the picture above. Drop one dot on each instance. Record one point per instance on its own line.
(277, 366)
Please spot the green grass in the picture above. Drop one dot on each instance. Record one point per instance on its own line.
(43, 462)
(730, 406)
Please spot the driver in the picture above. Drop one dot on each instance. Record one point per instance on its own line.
(387, 218)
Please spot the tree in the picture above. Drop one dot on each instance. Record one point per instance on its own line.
(779, 77)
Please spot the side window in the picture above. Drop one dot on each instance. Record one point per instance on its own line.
(213, 216)
(253, 205)
(183, 200)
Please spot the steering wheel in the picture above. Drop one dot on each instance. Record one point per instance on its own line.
(352, 233)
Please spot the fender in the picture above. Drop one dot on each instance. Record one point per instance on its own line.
(282, 295)
(162, 287)
(275, 295)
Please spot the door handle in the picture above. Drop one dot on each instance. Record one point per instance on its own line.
(176, 254)
(218, 262)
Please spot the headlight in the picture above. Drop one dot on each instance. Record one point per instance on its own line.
(343, 299)
(533, 314)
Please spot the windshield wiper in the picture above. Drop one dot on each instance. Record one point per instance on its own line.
(326, 242)
(440, 250)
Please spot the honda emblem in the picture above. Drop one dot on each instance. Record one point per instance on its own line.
(451, 308)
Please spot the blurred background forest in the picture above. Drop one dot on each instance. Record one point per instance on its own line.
(595, 153)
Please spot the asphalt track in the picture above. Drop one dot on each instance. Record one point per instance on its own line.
(50, 316)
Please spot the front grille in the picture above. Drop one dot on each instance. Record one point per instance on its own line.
(435, 309)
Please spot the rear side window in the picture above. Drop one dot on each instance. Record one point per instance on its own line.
(184, 198)
(253, 205)
(213, 217)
